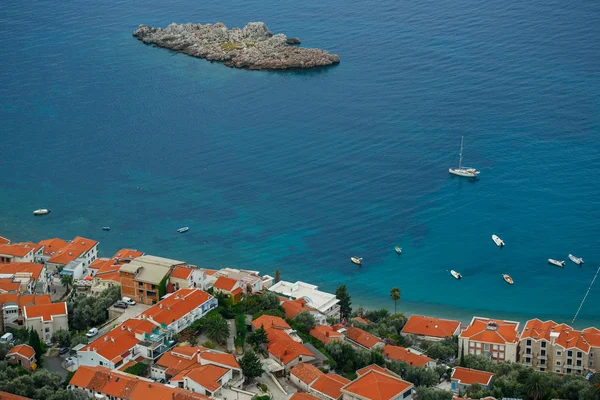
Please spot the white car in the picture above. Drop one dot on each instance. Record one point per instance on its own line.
(129, 301)
(92, 332)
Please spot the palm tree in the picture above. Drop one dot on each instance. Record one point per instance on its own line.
(217, 329)
(535, 387)
(395, 295)
(66, 280)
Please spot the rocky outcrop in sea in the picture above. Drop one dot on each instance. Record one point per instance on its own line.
(253, 47)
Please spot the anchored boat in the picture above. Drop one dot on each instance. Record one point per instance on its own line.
(508, 279)
(398, 249)
(106, 228)
(455, 274)
(356, 260)
(576, 260)
(182, 230)
(556, 262)
(463, 171)
(499, 242)
(41, 211)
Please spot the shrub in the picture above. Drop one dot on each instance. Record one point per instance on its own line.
(209, 345)
(139, 369)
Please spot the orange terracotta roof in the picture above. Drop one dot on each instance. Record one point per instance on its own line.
(269, 321)
(303, 396)
(51, 246)
(4, 240)
(307, 373)
(176, 364)
(330, 385)
(10, 396)
(72, 250)
(210, 271)
(119, 340)
(377, 386)
(181, 272)
(360, 320)
(207, 376)
(337, 327)
(428, 326)
(491, 331)
(15, 250)
(372, 367)
(284, 348)
(592, 336)
(468, 376)
(176, 305)
(23, 350)
(24, 299)
(325, 334)
(536, 329)
(295, 307)
(109, 276)
(12, 268)
(99, 263)
(237, 291)
(225, 359)
(128, 253)
(45, 311)
(361, 337)
(569, 338)
(7, 285)
(401, 354)
(36, 246)
(187, 351)
(224, 283)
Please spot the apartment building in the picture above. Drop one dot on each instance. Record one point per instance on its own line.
(46, 319)
(497, 339)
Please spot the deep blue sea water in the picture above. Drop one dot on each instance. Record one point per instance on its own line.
(301, 170)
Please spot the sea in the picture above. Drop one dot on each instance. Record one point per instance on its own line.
(301, 170)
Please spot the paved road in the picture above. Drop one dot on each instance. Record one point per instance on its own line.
(232, 333)
(53, 364)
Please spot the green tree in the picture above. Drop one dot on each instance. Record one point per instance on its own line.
(251, 365)
(216, 328)
(4, 349)
(139, 369)
(61, 338)
(306, 319)
(34, 341)
(277, 275)
(66, 280)
(162, 287)
(462, 356)
(79, 339)
(345, 302)
(535, 386)
(425, 393)
(258, 337)
(395, 296)
(268, 301)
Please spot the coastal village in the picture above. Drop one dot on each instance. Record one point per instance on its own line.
(140, 326)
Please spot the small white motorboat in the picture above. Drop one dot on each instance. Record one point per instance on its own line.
(556, 262)
(106, 228)
(41, 211)
(184, 229)
(499, 242)
(356, 260)
(398, 249)
(508, 279)
(576, 260)
(455, 274)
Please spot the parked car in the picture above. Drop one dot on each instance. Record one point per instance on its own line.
(120, 304)
(129, 301)
(92, 332)
(64, 350)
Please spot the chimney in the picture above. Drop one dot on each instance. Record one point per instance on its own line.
(327, 334)
(159, 305)
(112, 339)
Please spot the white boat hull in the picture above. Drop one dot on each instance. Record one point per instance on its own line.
(576, 260)
(455, 274)
(41, 211)
(499, 242)
(508, 279)
(556, 262)
(466, 172)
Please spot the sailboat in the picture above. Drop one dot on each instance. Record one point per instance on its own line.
(463, 171)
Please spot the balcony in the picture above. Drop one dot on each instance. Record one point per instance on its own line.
(542, 357)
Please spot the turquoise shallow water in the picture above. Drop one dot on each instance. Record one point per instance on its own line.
(301, 170)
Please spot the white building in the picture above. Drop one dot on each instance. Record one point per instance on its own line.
(46, 319)
(323, 302)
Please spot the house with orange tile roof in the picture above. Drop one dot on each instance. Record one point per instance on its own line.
(206, 379)
(303, 396)
(270, 321)
(363, 339)
(462, 378)
(10, 396)
(4, 240)
(74, 258)
(38, 251)
(375, 384)
(23, 355)
(286, 348)
(226, 286)
(46, 319)
(175, 361)
(409, 356)
(536, 344)
(497, 338)
(186, 277)
(248, 281)
(147, 335)
(325, 333)
(51, 247)
(295, 307)
(113, 384)
(429, 328)
(17, 253)
(23, 277)
(328, 386)
(142, 276)
(303, 375)
(360, 320)
(106, 276)
(573, 351)
(12, 306)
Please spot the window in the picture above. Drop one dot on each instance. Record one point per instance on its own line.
(478, 345)
(101, 363)
(543, 344)
(527, 359)
(543, 362)
(558, 353)
(46, 330)
(528, 342)
(569, 353)
(471, 351)
(543, 353)
(501, 355)
(501, 347)
(569, 361)
(486, 347)
(568, 370)
(495, 347)
(406, 394)
(478, 352)
(579, 354)
(542, 369)
(558, 363)
(528, 350)
(578, 363)
(495, 354)
(558, 370)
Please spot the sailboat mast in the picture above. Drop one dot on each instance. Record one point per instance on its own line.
(462, 138)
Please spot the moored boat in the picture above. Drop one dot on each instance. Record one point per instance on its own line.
(106, 228)
(499, 242)
(455, 274)
(184, 229)
(356, 260)
(556, 262)
(508, 279)
(41, 211)
(463, 171)
(398, 249)
(576, 260)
